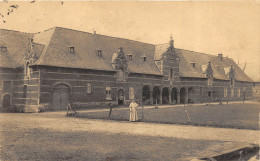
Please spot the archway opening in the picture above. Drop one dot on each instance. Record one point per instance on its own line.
(60, 97)
(121, 97)
(191, 95)
(165, 95)
(174, 95)
(182, 95)
(156, 95)
(146, 94)
(6, 101)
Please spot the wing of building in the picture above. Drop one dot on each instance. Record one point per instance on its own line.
(59, 66)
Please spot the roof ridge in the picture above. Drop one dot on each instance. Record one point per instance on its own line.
(104, 35)
(46, 46)
(16, 31)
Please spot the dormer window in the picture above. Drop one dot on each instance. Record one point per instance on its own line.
(71, 49)
(99, 52)
(232, 81)
(193, 64)
(3, 48)
(144, 58)
(130, 57)
(171, 73)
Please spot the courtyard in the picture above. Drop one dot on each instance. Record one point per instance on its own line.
(54, 136)
(234, 115)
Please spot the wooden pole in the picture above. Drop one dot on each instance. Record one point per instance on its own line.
(142, 110)
(187, 115)
(156, 104)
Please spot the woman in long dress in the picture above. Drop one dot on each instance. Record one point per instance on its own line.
(133, 112)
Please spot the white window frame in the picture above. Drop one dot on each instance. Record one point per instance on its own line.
(225, 92)
(232, 92)
(108, 93)
(89, 88)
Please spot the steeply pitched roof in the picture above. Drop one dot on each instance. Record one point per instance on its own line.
(85, 44)
(200, 60)
(51, 46)
(17, 46)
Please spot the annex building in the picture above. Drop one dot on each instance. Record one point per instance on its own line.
(49, 69)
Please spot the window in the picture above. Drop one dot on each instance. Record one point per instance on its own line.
(7, 86)
(225, 92)
(24, 91)
(209, 93)
(99, 52)
(121, 74)
(192, 64)
(27, 70)
(238, 92)
(130, 57)
(200, 90)
(71, 49)
(131, 93)
(108, 93)
(89, 88)
(144, 58)
(210, 80)
(3, 48)
(171, 74)
(232, 92)
(232, 81)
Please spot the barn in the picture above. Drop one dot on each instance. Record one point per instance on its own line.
(49, 69)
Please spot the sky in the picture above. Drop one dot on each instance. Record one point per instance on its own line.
(231, 28)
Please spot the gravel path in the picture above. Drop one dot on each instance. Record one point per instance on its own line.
(57, 121)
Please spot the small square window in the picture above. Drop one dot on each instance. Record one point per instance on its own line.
(3, 48)
(193, 64)
(71, 49)
(99, 52)
(130, 57)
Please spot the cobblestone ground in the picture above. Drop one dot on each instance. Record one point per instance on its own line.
(52, 136)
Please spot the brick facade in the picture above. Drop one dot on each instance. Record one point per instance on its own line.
(33, 87)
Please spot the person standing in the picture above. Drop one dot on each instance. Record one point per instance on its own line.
(133, 112)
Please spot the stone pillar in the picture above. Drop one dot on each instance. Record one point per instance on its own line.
(186, 95)
(170, 97)
(178, 96)
(151, 97)
(160, 96)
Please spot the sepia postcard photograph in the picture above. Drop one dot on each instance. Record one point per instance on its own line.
(130, 80)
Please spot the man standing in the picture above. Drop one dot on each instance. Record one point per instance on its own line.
(133, 112)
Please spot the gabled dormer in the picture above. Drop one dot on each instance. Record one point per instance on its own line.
(30, 58)
(119, 63)
(208, 72)
(168, 61)
(230, 73)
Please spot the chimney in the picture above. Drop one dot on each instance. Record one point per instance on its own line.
(220, 56)
(94, 32)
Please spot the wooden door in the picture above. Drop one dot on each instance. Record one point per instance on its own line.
(60, 97)
(6, 101)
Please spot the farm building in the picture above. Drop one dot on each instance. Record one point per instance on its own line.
(58, 66)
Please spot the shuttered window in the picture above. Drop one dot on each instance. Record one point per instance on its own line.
(89, 88)
(108, 93)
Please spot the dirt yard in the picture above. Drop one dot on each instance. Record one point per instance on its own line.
(53, 136)
(240, 116)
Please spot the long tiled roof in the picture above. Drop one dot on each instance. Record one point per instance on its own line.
(200, 60)
(51, 47)
(17, 46)
(86, 44)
